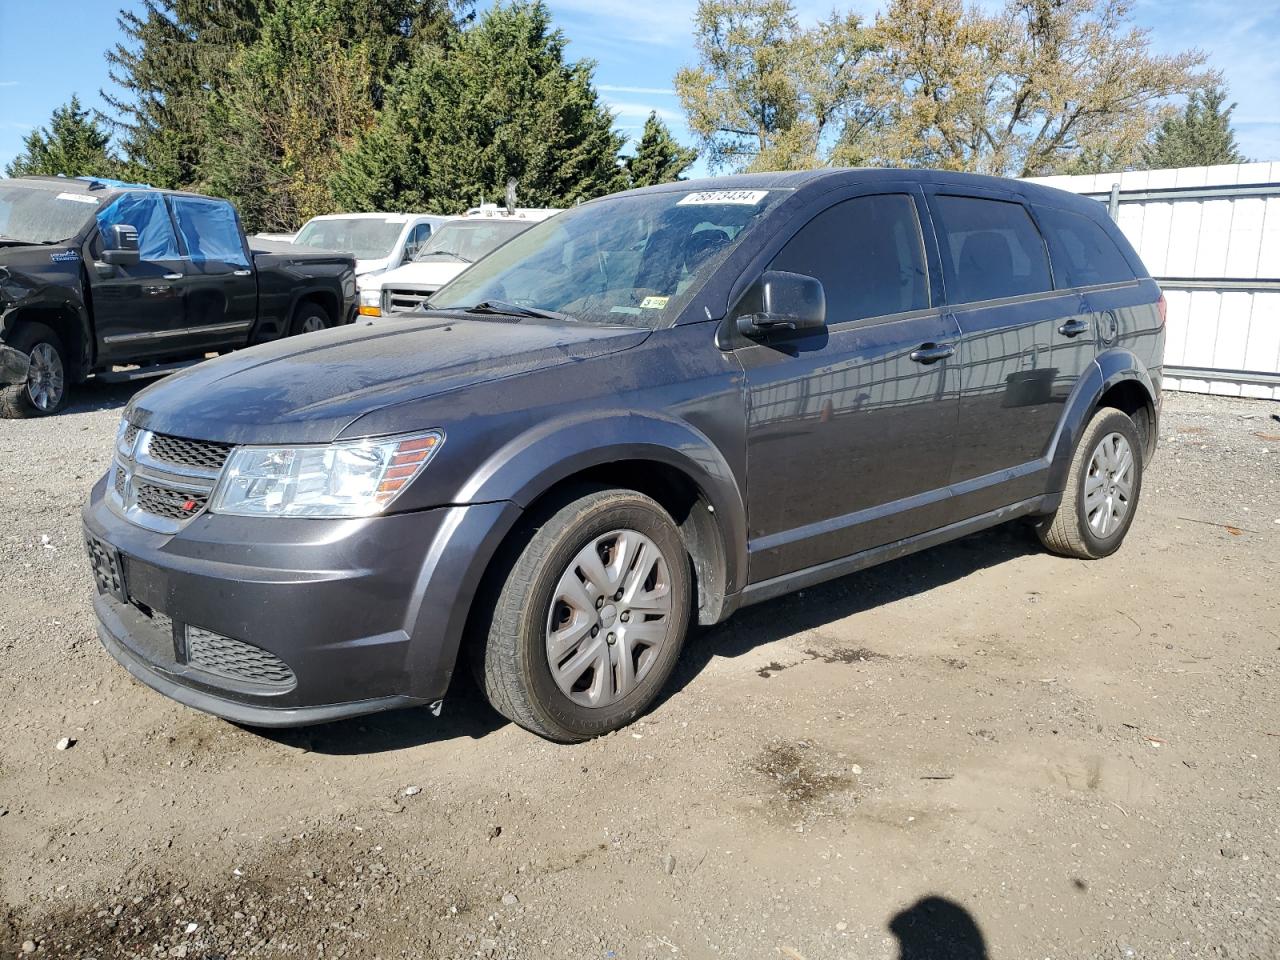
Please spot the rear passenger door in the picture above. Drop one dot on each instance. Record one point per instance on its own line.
(222, 293)
(850, 428)
(1023, 345)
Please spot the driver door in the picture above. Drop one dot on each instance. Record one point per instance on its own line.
(850, 428)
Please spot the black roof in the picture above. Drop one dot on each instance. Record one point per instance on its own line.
(829, 177)
(92, 186)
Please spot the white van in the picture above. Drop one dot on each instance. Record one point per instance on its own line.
(378, 241)
(452, 248)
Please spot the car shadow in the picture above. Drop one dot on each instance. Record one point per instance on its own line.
(856, 593)
(94, 395)
(936, 928)
(466, 714)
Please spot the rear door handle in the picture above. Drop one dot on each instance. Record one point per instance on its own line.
(1073, 328)
(932, 352)
(173, 276)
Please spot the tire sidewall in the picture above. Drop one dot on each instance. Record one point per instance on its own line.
(305, 312)
(1108, 422)
(38, 334)
(546, 698)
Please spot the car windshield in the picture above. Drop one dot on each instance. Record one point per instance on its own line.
(633, 260)
(466, 241)
(31, 214)
(365, 238)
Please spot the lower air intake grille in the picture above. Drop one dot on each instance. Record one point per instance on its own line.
(215, 653)
(169, 503)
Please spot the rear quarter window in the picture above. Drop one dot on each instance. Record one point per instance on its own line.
(990, 249)
(1083, 253)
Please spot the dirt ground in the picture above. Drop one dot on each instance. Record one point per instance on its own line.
(980, 751)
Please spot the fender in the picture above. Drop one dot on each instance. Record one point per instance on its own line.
(1108, 369)
(48, 291)
(532, 463)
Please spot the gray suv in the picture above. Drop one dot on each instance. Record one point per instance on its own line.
(644, 413)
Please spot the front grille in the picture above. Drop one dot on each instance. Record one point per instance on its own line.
(130, 435)
(404, 301)
(119, 482)
(197, 454)
(167, 502)
(215, 653)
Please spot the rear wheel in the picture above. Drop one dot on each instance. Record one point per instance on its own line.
(308, 318)
(589, 619)
(45, 390)
(1102, 491)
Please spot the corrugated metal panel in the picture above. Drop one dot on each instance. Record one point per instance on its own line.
(1224, 340)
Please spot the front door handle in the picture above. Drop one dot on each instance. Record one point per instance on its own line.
(173, 276)
(1073, 328)
(932, 352)
(242, 273)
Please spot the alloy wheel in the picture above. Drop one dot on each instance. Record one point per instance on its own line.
(45, 377)
(610, 617)
(1108, 485)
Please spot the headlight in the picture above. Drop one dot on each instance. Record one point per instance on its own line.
(371, 302)
(355, 479)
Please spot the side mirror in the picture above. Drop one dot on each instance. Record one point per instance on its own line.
(121, 246)
(781, 301)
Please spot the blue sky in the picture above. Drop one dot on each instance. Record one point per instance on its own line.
(638, 46)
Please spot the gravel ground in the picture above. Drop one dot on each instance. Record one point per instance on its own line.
(981, 751)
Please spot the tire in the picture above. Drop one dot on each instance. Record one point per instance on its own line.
(47, 386)
(308, 318)
(1098, 509)
(623, 655)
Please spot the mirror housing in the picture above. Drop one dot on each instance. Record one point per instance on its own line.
(781, 302)
(121, 246)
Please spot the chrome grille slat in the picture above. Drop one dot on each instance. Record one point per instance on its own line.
(400, 300)
(158, 475)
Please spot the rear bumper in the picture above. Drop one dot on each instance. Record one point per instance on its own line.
(13, 366)
(285, 622)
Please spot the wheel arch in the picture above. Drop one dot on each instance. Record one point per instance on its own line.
(1117, 379)
(69, 323)
(327, 300)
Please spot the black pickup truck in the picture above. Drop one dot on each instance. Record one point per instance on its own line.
(97, 275)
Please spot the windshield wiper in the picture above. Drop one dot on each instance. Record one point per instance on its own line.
(442, 253)
(503, 308)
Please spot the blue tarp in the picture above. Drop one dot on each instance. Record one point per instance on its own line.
(146, 212)
(210, 230)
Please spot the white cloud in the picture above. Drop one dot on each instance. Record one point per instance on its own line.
(613, 88)
(642, 110)
(10, 83)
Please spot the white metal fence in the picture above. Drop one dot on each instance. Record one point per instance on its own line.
(1211, 237)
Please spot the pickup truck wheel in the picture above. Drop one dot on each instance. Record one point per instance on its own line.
(308, 318)
(1102, 491)
(45, 391)
(590, 618)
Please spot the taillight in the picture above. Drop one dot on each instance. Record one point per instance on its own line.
(1162, 305)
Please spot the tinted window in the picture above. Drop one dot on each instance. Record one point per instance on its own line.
(990, 249)
(1082, 252)
(146, 213)
(209, 229)
(868, 255)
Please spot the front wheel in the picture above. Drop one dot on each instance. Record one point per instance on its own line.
(589, 619)
(1102, 491)
(45, 390)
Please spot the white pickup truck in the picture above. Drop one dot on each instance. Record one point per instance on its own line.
(379, 241)
(453, 247)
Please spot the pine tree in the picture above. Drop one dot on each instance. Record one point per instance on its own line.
(500, 101)
(1200, 136)
(72, 145)
(659, 158)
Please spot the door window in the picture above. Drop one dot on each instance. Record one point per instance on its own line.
(417, 237)
(868, 254)
(209, 229)
(1083, 254)
(990, 249)
(146, 213)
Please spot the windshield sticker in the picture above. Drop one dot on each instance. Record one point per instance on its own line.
(746, 198)
(78, 198)
(653, 303)
(65, 256)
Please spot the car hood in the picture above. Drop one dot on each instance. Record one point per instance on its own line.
(307, 389)
(432, 274)
(372, 266)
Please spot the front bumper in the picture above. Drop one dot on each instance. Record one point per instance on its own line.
(13, 366)
(350, 616)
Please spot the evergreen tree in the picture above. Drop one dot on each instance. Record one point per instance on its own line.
(72, 145)
(499, 101)
(659, 158)
(1200, 136)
